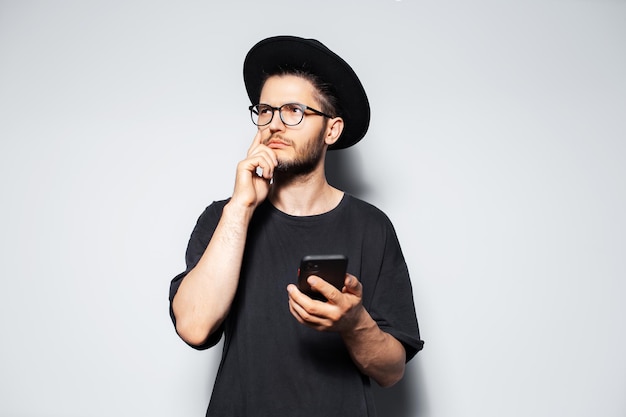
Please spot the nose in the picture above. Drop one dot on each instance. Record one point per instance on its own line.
(276, 124)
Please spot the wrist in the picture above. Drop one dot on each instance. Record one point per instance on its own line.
(361, 325)
(237, 210)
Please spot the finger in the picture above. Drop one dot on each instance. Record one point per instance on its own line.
(323, 287)
(353, 285)
(267, 154)
(310, 320)
(306, 307)
(258, 146)
(299, 298)
(294, 312)
(302, 315)
(263, 160)
(265, 166)
(256, 141)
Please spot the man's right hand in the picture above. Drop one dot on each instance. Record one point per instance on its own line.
(207, 292)
(254, 174)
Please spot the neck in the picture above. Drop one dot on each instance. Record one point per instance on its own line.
(305, 195)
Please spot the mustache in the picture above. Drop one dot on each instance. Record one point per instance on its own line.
(279, 137)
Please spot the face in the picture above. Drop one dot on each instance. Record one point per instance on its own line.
(299, 149)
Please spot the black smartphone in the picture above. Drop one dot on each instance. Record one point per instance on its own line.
(331, 268)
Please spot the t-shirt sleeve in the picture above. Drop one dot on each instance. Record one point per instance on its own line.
(392, 305)
(199, 240)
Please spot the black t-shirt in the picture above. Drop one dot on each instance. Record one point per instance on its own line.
(271, 364)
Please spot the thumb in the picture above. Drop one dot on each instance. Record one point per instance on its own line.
(353, 285)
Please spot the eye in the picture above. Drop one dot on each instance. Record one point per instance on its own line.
(264, 110)
(294, 108)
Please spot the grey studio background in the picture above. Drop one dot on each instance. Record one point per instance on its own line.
(496, 147)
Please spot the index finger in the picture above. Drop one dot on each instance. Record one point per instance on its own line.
(256, 141)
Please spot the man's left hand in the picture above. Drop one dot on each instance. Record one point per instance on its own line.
(340, 313)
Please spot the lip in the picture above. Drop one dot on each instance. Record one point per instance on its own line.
(276, 144)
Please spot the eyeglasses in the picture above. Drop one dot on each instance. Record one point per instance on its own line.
(291, 114)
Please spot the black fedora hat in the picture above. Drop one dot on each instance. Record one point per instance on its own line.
(290, 52)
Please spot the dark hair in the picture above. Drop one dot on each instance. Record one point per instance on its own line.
(324, 91)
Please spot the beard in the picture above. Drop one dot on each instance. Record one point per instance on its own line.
(305, 162)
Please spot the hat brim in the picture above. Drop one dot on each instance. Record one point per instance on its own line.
(289, 52)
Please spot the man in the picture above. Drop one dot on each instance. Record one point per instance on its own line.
(286, 354)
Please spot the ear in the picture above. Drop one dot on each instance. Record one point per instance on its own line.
(333, 130)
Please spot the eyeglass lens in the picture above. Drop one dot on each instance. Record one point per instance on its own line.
(291, 114)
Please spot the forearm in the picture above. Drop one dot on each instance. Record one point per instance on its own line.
(206, 293)
(376, 353)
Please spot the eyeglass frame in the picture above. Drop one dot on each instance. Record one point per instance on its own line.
(304, 108)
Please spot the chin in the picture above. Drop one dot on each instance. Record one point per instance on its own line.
(284, 166)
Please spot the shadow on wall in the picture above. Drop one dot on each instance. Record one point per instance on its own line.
(344, 171)
(405, 399)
